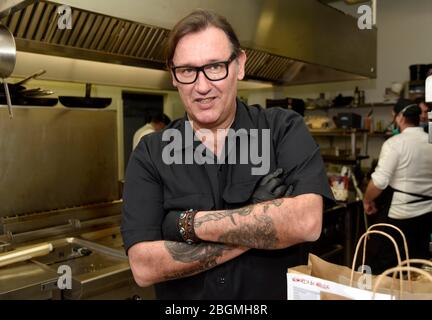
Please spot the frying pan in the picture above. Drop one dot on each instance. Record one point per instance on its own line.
(17, 87)
(31, 101)
(86, 102)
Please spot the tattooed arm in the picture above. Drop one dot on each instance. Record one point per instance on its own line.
(274, 224)
(156, 261)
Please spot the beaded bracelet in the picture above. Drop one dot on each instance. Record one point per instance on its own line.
(186, 226)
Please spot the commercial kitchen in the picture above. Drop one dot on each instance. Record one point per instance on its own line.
(86, 75)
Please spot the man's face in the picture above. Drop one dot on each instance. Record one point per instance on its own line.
(424, 112)
(209, 104)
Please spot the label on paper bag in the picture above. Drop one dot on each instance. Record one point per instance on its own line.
(305, 287)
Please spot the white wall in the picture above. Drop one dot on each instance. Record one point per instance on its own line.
(404, 38)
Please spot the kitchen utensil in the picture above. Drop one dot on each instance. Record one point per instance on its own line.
(31, 101)
(18, 87)
(418, 72)
(36, 92)
(25, 253)
(86, 102)
(7, 61)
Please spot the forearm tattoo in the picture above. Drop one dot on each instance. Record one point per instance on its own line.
(219, 215)
(205, 254)
(261, 234)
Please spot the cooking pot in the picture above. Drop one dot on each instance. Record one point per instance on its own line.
(7, 60)
(418, 72)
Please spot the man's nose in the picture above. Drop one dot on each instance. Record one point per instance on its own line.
(202, 84)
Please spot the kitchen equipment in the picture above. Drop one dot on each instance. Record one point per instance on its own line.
(418, 72)
(25, 253)
(86, 102)
(341, 101)
(348, 120)
(7, 61)
(31, 101)
(21, 96)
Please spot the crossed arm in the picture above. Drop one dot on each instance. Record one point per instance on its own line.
(274, 224)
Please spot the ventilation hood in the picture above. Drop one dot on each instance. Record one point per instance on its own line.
(288, 42)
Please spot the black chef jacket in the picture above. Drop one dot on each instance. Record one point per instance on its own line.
(152, 188)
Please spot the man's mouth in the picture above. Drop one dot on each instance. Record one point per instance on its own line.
(205, 100)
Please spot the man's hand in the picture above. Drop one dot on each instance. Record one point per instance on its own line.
(271, 187)
(369, 207)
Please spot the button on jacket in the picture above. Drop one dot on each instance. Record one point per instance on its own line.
(152, 188)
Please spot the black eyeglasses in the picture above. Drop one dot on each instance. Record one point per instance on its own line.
(215, 71)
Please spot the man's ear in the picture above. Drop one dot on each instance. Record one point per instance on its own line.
(241, 60)
(174, 82)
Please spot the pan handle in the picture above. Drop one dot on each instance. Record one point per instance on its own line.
(8, 99)
(88, 90)
(34, 75)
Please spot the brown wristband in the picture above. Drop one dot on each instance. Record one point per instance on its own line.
(186, 226)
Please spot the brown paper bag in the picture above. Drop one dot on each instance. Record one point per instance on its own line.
(326, 280)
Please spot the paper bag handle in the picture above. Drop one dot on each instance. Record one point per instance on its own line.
(358, 247)
(403, 239)
(400, 269)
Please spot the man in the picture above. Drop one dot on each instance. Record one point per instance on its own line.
(424, 121)
(157, 123)
(405, 168)
(232, 244)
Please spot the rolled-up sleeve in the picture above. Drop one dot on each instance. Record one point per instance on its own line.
(387, 163)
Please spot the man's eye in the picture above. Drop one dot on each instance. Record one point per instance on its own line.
(217, 67)
(186, 71)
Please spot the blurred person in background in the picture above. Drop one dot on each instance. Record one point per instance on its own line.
(157, 123)
(425, 108)
(403, 177)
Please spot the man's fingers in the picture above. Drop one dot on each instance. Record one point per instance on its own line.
(289, 190)
(270, 176)
(273, 184)
(280, 191)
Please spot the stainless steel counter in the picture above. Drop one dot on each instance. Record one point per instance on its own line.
(98, 271)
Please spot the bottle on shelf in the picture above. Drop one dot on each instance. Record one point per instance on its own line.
(362, 97)
(356, 100)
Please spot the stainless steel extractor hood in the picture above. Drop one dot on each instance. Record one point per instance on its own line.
(288, 42)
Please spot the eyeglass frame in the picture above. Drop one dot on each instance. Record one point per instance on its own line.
(232, 57)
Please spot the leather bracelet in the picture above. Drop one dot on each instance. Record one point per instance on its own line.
(186, 226)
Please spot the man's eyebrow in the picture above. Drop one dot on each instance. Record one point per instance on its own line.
(194, 65)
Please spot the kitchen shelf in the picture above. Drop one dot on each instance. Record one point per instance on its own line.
(380, 134)
(336, 132)
(344, 159)
(366, 105)
(353, 157)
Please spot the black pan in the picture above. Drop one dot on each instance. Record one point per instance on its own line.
(30, 101)
(17, 87)
(86, 102)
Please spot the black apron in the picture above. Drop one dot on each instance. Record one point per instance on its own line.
(380, 252)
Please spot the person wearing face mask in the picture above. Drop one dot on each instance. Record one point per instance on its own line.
(404, 175)
(425, 108)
